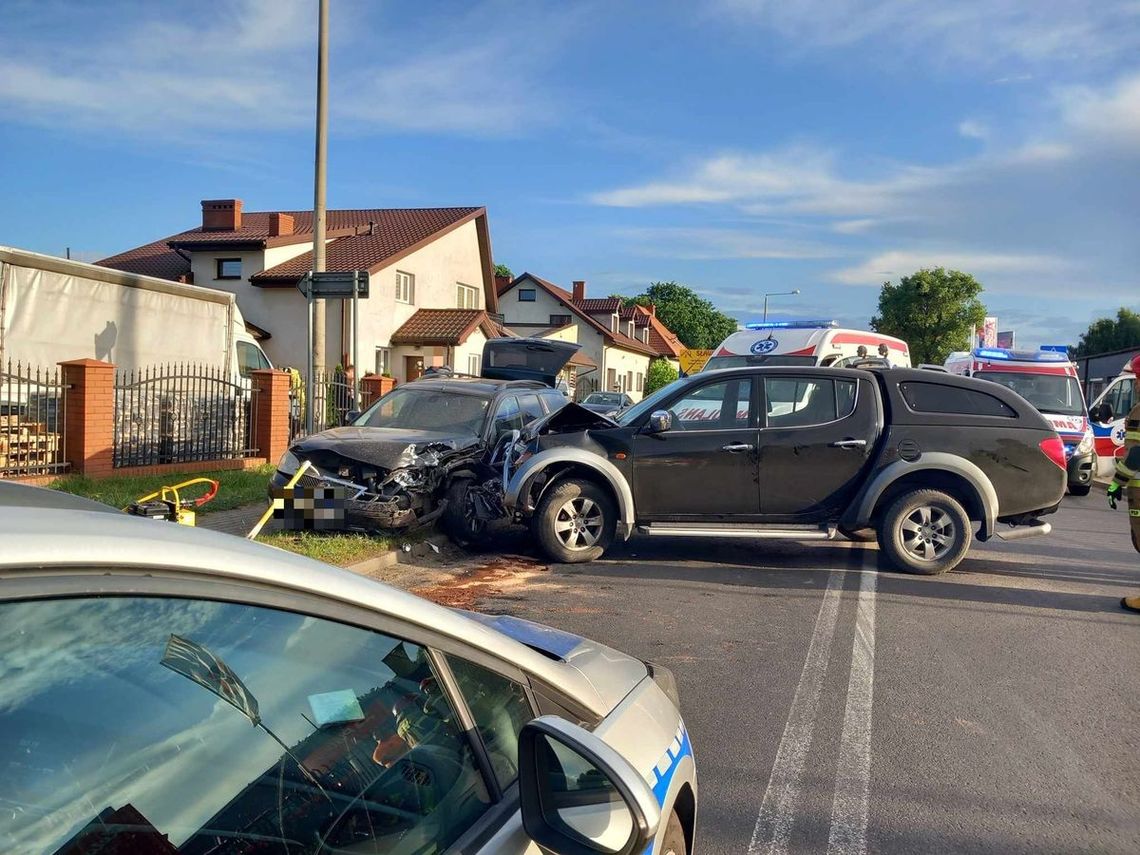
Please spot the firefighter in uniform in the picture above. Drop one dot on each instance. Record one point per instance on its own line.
(1127, 479)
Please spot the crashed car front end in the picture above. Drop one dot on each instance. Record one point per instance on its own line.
(381, 490)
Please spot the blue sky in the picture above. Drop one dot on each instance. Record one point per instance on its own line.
(739, 146)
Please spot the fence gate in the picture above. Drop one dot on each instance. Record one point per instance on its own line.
(31, 420)
(181, 414)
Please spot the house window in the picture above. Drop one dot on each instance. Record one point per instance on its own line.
(405, 287)
(526, 295)
(473, 364)
(640, 382)
(559, 320)
(466, 297)
(229, 268)
(615, 322)
(645, 335)
(628, 381)
(383, 360)
(611, 380)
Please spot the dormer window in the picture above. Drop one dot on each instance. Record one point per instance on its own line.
(644, 337)
(228, 268)
(630, 331)
(615, 322)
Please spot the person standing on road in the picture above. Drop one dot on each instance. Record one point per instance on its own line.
(1127, 477)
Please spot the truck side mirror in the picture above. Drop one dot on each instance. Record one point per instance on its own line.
(659, 421)
(577, 795)
(1102, 413)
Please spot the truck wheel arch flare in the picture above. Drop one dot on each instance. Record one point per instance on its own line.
(520, 482)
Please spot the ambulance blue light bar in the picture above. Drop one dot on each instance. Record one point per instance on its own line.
(791, 325)
(1020, 355)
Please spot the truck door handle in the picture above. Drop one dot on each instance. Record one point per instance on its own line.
(738, 446)
(848, 443)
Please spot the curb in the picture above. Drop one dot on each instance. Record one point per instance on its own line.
(376, 562)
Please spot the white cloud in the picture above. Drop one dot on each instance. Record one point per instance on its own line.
(979, 33)
(1111, 114)
(893, 264)
(854, 227)
(973, 129)
(194, 73)
(706, 244)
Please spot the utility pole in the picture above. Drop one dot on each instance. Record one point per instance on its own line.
(318, 360)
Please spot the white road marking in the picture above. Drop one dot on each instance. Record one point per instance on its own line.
(849, 809)
(774, 824)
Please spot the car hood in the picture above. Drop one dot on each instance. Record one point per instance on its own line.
(386, 448)
(613, 674)
(571, 418)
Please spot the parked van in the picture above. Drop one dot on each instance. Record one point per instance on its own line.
(1109, 411)
(1047, 380)
(805, 343)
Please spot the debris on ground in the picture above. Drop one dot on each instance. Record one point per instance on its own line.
(493, 578)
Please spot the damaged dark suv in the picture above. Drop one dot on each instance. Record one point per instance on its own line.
(424, 450)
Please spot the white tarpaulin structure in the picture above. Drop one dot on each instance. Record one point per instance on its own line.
(54, 309)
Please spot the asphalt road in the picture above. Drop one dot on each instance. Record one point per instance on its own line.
(838, 707)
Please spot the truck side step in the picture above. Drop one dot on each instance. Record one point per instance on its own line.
(738, 530)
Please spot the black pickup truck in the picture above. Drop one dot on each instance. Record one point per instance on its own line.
(922, 459)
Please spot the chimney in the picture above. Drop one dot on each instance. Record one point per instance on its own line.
(221, 215)
(501, 283)
(652, 310)
(280, 224)
(579, 290)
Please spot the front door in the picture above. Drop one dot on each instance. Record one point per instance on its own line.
(705, 466)
(818, 437)
(413, 368)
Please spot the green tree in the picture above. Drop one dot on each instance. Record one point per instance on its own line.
(661, 373)
(697, 322)
(503, 270)
(934, 311)
(1106, 335)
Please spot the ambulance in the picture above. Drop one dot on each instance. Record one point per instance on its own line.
(1048, 380)
(805, 343)
(1109, 411)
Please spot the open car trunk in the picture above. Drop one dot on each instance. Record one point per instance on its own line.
(526, 359)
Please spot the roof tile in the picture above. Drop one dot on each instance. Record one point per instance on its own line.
(443, 326)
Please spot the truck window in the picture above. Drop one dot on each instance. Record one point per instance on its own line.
(803, 401)
(716, 406)
(936, 398)
(250, 358)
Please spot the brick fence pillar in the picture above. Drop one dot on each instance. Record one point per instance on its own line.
(89, 416)
(373, 387)
(271, 413)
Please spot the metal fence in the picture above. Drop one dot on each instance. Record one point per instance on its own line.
(333, 399)
(182, 414)
(31, 420)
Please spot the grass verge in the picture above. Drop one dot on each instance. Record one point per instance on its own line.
(338, 549)
(236, 488)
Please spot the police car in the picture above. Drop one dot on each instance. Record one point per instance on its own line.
(805, 343)
(173, 690)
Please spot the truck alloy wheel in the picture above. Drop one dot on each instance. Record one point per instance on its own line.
(926, 532)
(575, 521)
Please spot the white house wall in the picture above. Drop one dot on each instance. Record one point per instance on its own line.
(438, 268)
(624, 361)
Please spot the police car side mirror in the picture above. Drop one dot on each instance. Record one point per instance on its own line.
(659, 421)
(1103, 414)
(578, 796)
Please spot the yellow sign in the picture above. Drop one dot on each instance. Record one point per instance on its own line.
(693, 361)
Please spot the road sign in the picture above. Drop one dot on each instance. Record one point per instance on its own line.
(334, 285)
(692, 361)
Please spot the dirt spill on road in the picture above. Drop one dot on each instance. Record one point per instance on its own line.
(493, 578)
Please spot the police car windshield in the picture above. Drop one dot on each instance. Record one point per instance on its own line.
(746, 359)
(1049, 393)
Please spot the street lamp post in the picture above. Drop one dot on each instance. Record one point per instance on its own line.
(776, 294)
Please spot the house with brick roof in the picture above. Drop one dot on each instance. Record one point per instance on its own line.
(620, 342)
(432, 297)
